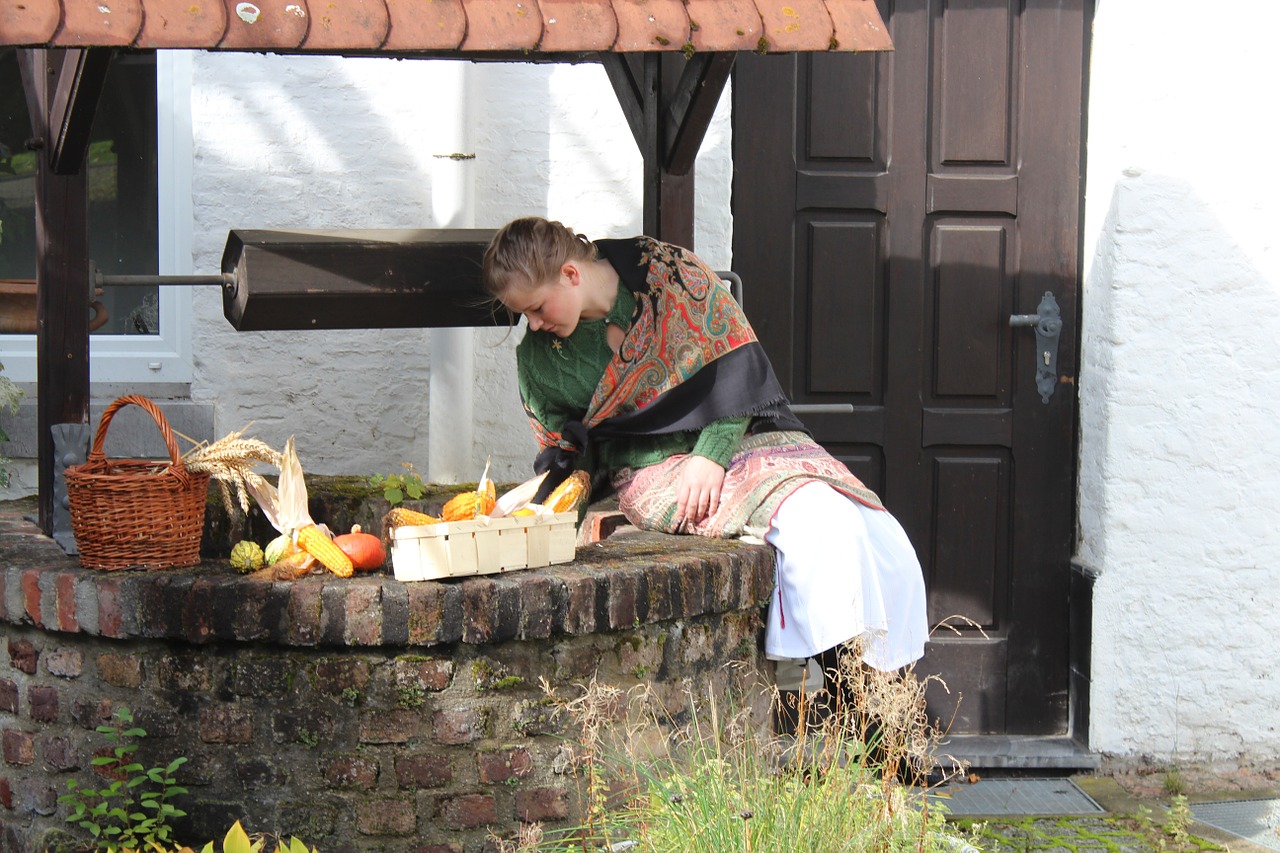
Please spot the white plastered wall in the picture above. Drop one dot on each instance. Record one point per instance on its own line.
(313, 142)
(1179, 489)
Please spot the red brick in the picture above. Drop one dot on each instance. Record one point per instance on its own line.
(65, 586)
(664, 585)
(623, 588)
(184, 673)
(480, 610)
(336, 676)
(8, 696)
(537, 804)
(19, 747)
(387, 817)
(59, 753)
(504, 764)
(348, 771)
(23, 656)
(120, 670)
(304, 613)
(226, 725)
(429, 674)
(364, 612)
(6, 794)
(396, 726)
(580, 616)
(457, 727)
(198, 614)
(599, 525)
(694, 592)
(43, 702)
(31, 595)
(426, 611)
(90, 715)
(537, 607)
(110, 612)
(64, 663)
(469, 811)
(424, 771)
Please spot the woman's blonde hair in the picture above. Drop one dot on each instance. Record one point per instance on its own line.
(528, 252)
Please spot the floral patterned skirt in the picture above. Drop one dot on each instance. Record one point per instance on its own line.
(766, 469)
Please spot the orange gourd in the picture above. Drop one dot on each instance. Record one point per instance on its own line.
(364, 549)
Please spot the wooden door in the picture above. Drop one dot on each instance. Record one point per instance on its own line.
(891, 211)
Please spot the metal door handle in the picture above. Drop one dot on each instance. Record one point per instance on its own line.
(1048, 325)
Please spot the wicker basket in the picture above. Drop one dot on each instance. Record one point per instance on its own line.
(134, 512)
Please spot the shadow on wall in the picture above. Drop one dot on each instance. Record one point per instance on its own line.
(1178, 381)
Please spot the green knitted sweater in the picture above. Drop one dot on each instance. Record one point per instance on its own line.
(557, 377)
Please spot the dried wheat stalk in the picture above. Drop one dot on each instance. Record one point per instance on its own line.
(230, 461)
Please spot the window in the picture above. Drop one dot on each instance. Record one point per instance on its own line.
(137, 175)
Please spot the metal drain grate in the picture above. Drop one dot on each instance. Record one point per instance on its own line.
(1253, 820)
(1016, 797)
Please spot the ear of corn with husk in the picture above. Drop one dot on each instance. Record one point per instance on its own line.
(286, 509)
(469, 505)
(570, 494)
(400, 516)
(518, 499)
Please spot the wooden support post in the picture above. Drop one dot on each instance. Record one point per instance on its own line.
(62, 89)
(668, 101)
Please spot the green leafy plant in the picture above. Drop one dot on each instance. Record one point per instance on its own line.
(395, 487)
(10, 394)
(134, 811)
(238, 841)
(1178, 819)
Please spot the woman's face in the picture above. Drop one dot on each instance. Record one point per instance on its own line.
(554, 307)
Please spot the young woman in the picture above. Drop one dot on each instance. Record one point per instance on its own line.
(640, 368)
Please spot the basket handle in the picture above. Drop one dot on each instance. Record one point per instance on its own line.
(100, 438)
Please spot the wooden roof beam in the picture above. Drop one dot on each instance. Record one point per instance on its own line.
(685, 112)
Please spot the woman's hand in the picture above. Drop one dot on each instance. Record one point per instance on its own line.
(698, 493)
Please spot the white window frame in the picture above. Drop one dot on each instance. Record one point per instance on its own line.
(165, 357)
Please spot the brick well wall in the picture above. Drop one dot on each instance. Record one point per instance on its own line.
(365, 714)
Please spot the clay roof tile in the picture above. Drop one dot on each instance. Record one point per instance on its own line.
(441, 26)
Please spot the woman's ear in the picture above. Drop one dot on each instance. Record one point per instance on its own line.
(572, 273)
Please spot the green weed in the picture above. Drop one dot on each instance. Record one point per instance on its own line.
(133, 812)
(395, 487)
(706, 779)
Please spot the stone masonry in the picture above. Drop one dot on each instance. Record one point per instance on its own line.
(363, 714)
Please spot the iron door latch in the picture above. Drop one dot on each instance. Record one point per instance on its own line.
(1048, 325)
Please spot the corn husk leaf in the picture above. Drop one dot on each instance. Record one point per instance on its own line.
(517, 497)
(285, 507)
(293, 491)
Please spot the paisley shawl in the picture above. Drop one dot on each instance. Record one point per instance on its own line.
(689, 358)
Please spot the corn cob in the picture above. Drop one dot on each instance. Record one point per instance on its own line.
(468, 505)
(568, 495)
(401, 516)
(313, 540)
